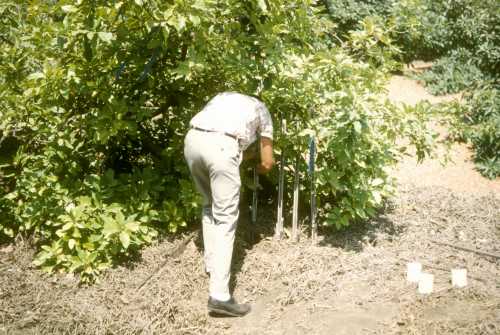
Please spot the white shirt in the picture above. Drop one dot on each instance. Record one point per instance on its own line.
(236, 114)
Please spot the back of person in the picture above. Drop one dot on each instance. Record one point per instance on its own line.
(237, 114)
(213, 149)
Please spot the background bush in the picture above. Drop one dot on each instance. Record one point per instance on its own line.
(428, 29)
(348, 14)
(453, 73)
(482, 127)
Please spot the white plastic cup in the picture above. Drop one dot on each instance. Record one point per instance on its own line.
(426, 283)
(413, 272)
(458, 277)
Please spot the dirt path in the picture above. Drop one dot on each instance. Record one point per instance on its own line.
(459, 175)
(351, 283)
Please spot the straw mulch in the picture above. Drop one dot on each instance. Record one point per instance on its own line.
(351, 282)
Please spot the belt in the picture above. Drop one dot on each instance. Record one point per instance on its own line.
(216, 131)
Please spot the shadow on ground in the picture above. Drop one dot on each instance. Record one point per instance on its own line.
(363, 233)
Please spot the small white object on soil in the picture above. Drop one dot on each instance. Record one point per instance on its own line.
(413, 272)
(426, 283)
(459, 277)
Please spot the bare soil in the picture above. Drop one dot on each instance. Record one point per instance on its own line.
(351, 282)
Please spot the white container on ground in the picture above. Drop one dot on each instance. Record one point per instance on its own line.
(458, 277)
(426, 283)
(413, 272)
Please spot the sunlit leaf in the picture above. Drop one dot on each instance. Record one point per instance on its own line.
(125, 239)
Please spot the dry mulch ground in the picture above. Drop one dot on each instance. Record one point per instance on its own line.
(352, 282)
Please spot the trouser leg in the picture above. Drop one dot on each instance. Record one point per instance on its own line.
(202, 183)
(209, 235)
(225, 184)
(199, 172)
(214, 164)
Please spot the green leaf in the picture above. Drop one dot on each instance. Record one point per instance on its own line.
(9, 232)
(84, 200)
(68, 225)
(11, 196)
(36, 75)
(178, 22)
(76, 233)
(110, 226)
(195, 20)
(357, 127)
(132, 226)
(69, 9)
(262, 5)
(154, 43)
(106, 36)
(120, 218)
(125, 239)
(71, 243)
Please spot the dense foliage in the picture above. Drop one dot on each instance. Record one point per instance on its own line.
(453, 73)
(348, 14)
(477, 121)
(96, 97)
(465, 32)
(463, 36)
(429, 29)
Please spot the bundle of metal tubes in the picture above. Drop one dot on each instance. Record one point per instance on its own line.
(281, 185)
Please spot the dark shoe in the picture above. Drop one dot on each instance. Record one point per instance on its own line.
(229, 308)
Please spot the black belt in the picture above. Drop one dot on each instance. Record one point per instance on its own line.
(216, 131)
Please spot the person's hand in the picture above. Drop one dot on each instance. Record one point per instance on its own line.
(262, 169)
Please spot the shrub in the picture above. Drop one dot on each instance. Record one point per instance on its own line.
(475, 120)
(428, 29)
(482, 117)
(453, 73)
(348, 14)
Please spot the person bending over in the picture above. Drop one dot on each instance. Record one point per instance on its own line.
(213, 149)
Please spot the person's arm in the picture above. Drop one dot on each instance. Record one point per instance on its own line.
(266, 155)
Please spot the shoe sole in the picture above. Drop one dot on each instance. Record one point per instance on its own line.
(224, 312)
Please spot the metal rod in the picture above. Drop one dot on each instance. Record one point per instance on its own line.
(312, 156)
(314, 224)
(295, 212)
(281, 185)
(255, 195)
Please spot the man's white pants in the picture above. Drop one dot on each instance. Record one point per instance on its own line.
(214, 160)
